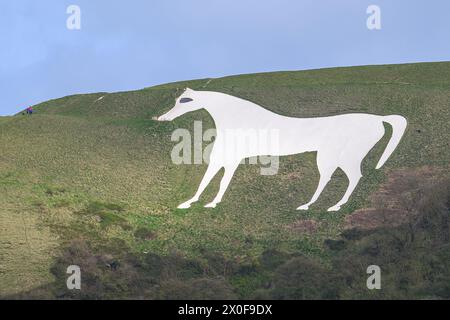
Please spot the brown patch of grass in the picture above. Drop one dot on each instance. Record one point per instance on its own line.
(372, 218)
(304, 226)
(394, 202)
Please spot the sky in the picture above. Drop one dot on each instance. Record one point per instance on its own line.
(127, 45)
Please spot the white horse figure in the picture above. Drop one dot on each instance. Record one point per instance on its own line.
(340, 141)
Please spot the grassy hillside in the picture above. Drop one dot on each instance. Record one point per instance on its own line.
(99, 170)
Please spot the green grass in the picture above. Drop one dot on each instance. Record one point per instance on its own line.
(102, 168)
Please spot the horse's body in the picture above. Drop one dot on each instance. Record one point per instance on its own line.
(340, 141)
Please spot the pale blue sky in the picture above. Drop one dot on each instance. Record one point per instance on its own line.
(125, 45)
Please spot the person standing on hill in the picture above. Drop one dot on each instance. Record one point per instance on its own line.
(30, 110)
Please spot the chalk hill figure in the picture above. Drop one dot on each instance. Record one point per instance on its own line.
(340, 141)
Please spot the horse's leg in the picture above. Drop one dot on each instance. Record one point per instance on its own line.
(212, 170)
(326, 170)
(353, 173)
(226, 179)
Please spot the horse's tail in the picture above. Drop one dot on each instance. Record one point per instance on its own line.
(398, 124)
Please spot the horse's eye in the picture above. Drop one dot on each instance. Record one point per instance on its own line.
(185, 100)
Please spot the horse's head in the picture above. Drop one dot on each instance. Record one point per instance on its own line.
(187, 102)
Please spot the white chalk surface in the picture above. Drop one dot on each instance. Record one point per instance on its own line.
(340, 141)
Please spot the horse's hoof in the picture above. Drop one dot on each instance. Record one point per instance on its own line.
(334, 208)
(303, 207)
(185, 205)
(211, 205)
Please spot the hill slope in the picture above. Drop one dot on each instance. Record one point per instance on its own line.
(100, 169)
